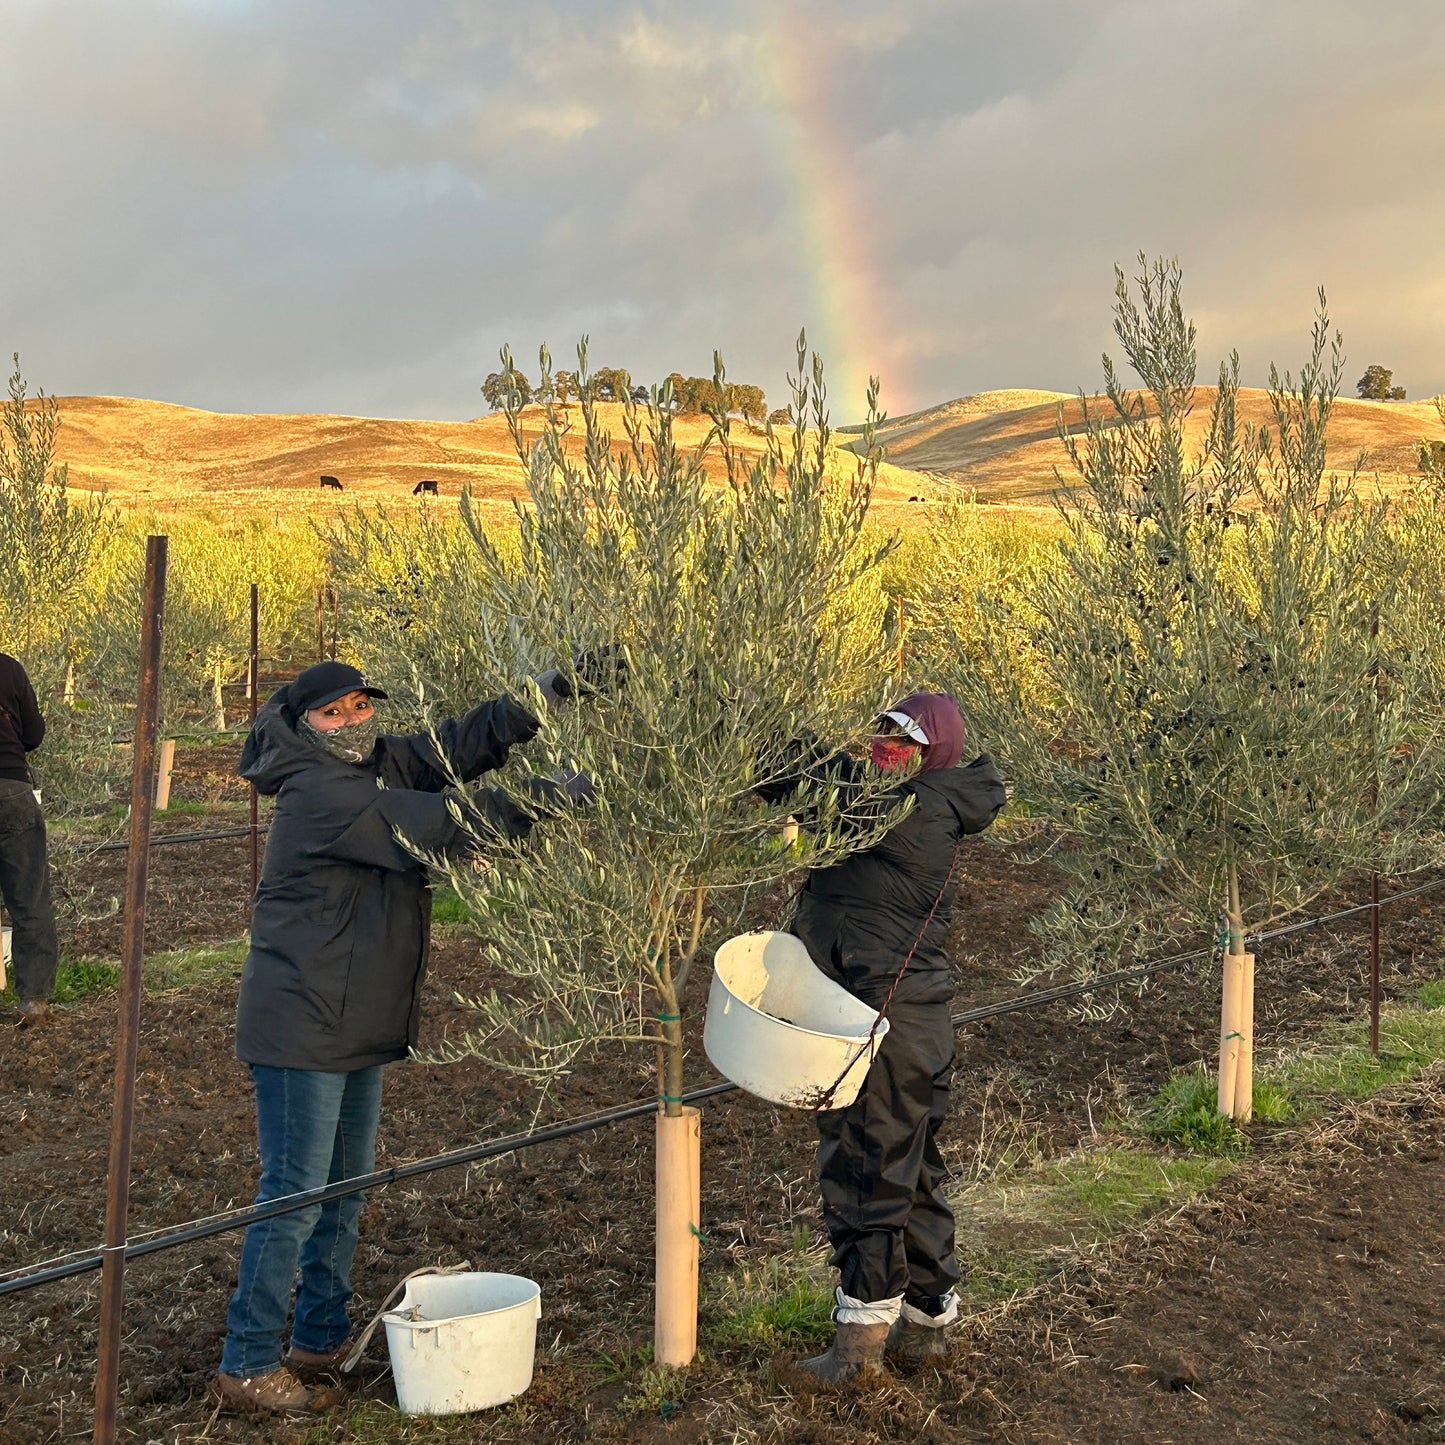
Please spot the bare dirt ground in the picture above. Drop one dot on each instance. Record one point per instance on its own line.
(1298, 1301)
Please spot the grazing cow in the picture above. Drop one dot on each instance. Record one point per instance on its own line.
(424, 489)
(332, 483)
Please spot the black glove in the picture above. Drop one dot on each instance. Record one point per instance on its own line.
(599, 670)
(553, 689)
(579, 787)
(567, 786)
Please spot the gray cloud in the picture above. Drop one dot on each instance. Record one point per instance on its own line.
(350, 207)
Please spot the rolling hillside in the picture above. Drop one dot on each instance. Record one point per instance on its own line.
(1007, 446)
(154, 456)
(1004, 444)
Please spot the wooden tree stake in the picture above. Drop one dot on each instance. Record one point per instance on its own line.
(1229, 1031)
(679, 1207)
(165, 763)
(1244, 1072)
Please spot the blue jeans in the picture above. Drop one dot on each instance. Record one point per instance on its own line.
(314, 1128)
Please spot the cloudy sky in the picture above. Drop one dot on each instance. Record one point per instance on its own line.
(349, 205)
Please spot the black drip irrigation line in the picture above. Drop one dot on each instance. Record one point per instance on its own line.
(513, 1143)
(474, 1154)
(161, 839)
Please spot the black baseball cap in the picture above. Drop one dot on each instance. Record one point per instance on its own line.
(325, 682)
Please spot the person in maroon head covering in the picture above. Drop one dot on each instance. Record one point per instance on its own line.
(878, 924)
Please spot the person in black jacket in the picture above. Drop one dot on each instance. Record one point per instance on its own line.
(331, 985)
(24, 863)
(878, 924)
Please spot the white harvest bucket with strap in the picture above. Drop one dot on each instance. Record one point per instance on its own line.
(463, 1341)
(780, 1028)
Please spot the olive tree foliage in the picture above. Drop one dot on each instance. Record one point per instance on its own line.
(1432, 456)
(1418, 534)
(48, 544)
(413, 603)
(47, 537)
(1228, 720)
(966, 551)
(701, 579)
(206, 641)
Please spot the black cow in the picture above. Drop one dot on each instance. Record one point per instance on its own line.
(332, 483)
(424, 489)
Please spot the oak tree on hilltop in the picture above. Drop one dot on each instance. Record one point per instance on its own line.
(1375, 385)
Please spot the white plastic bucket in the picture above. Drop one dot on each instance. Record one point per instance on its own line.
(780, 1028)
(463, 1342)
(4, 954)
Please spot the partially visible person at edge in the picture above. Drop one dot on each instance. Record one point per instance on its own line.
(24, 865)
(330, 991)
(879, 1166)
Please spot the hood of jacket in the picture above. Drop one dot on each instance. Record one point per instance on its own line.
(975, 791)
(274, 750)
(938, 715)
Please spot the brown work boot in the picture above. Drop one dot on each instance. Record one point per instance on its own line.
(277, 1392)
(308, 1363)
(856, 1350)
(916, 1346)
(33, 1011)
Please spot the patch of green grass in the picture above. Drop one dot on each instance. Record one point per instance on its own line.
(1433, 994)
(1120, 1185)
(372, 1423)
(78, 978)
(447, 906)
(628, 1360)
(1273, 1103)
(182, 967)
(179, 806)
(1184, 1114)
(999, 1275)
(779, 1302)
(82, 977)
(659, 1390)
(1410, 1040)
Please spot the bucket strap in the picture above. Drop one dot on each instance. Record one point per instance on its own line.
(359, 1348)
(825, 1099)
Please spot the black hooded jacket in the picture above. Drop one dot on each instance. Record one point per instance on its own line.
(342, 919)
(859, 918)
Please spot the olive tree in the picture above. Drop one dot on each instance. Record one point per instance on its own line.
(49, 541)
(696, 585)
(1210, 715)
(208, 613)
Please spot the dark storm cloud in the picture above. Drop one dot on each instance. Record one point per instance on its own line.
(350, 207)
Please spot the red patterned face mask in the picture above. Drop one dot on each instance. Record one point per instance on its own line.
(892, 755)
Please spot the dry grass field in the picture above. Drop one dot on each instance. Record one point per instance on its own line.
(152, 456)
(1006, 444)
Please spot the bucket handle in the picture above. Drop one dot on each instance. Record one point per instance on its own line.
(359, 1348)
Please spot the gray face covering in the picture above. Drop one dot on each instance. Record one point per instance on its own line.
(352, 744)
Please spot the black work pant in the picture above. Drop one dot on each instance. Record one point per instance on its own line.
(881, 1173)
(25, 888)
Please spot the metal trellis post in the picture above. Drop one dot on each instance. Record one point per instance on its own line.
(143, 765)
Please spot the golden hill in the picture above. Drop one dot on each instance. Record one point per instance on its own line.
(1009, 452)
(154, 456)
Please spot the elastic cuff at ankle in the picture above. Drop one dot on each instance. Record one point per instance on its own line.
(850, 1311)
(915, 1316)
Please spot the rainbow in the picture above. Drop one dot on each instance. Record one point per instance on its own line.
(844, 323)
